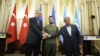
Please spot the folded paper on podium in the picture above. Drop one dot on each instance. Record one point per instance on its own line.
(4, 35)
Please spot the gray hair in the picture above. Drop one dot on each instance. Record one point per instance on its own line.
(66, 18)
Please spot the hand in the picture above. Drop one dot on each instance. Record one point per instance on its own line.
(43, 32)
(80, 46)
(45, 35)
(81, 49)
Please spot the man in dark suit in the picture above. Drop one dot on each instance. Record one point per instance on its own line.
(34, 35)
(71, 36)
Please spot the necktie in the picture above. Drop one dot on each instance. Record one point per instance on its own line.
(38, 21)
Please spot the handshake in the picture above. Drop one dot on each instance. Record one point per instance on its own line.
(45, 35)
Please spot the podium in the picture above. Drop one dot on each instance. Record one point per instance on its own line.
(3, 37)
(88, 44)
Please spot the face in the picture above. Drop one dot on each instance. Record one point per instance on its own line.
(51, 20)
(67, 20)
(38, 13)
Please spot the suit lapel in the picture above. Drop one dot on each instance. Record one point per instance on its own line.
(35, 21)
(71, 30)
(37, 24)
(66, 31)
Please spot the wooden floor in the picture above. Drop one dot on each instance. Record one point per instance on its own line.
(23, 55)
(39, 55)
(17, 54)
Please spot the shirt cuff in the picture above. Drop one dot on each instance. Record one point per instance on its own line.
(49, 36)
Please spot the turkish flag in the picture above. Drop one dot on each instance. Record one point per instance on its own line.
(12, 27)
(24, 28)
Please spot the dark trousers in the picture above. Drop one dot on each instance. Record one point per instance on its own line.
(22, 50)
(32, 47)
(2, 47)
(42, 48)
(72, 51)
(49, 49)
(11, 48)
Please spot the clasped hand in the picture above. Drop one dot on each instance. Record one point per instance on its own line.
(45, 35)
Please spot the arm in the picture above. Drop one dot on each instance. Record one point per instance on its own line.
(78, 36)
(57, 33)
(34, 27)
(48, 35)
(80, 41)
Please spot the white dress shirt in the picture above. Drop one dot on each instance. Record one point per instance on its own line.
(69, 29)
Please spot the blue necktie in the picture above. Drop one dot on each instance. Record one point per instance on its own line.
(38, 21)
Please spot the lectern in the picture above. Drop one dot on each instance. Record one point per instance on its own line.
(3, 37)
(89, 45)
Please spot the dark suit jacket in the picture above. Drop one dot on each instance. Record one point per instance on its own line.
(70, 42)
(35, 31)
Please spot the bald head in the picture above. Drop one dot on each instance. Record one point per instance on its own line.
(67, 20)
(37, 13)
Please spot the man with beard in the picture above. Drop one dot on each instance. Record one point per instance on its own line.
(49, 48)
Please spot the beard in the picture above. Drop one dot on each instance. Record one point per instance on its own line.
(50, 22)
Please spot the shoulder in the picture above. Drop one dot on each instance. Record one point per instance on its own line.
(32, 18)
(73, 25)
(55, 26)
(46, 26)
(63, 27)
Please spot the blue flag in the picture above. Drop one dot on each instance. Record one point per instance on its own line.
(76, 21)
(64, 15)
(40, 18)
(53, 14)
(41, 13)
